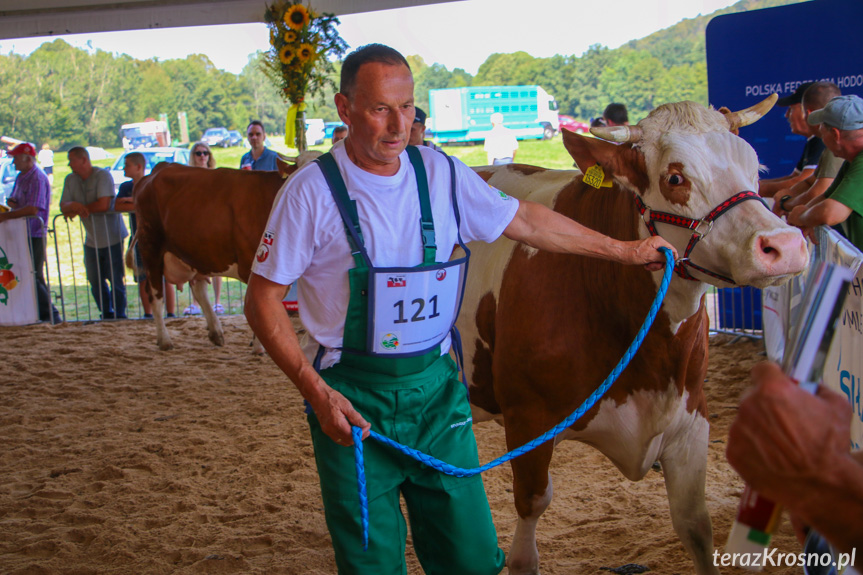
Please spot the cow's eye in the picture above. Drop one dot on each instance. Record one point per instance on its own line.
(675, 179)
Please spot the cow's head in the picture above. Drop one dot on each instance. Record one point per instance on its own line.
(683, 159)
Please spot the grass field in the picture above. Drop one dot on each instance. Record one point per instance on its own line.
(65, 242)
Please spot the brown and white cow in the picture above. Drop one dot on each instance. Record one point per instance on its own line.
(541, 330)
(194, 223)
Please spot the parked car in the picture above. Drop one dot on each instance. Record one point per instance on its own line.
(216, 137)
(143, 141)
(8, 173)
(573, 125)
(153, 157)
(234, 139)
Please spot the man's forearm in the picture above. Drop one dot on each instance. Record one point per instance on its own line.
(835, 505)
(267, 318)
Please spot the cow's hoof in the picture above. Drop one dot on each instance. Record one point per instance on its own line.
(166, 346)
(217, 338)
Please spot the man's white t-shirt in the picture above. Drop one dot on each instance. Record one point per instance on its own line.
(305, 238)
(500, 143)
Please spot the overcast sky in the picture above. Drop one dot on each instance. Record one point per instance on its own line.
(456, 34)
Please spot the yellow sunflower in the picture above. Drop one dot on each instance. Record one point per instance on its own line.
(290, 36)
(297, 17)
(306, 52)
(286, 54)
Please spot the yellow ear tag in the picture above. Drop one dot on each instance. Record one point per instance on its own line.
(594, 176)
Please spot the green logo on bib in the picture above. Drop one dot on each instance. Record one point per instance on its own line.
(390, 341)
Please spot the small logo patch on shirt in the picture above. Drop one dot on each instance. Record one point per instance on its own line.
(397, 281)
(263, 253)
(503, 196)
(268, 237)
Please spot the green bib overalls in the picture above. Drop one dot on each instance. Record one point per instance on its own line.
(418, 401)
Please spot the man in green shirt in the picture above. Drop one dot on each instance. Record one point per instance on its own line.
(840, 124)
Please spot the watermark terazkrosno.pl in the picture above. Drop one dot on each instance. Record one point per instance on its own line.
(774, 558)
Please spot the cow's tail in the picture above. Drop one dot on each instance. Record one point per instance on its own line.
(130, 256)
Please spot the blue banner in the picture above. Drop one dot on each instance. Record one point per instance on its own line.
(751, 55)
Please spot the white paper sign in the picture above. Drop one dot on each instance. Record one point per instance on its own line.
(414, 310)
(17, 285)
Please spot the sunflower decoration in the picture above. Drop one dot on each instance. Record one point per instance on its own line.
(297, 17)
(302, 43)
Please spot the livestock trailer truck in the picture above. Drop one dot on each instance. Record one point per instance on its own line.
(464, 114)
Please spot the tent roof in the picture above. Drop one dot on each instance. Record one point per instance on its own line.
(29, 18)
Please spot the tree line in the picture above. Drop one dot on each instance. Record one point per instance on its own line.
(67, 96)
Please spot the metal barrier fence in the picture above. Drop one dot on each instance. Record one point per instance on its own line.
(735, 311)
(73, 293)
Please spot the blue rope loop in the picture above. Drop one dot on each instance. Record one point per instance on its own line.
(592, 400)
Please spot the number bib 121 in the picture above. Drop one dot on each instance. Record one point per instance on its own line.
(413, 309)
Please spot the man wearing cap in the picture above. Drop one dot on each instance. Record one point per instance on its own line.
(31, 196)
(88, 191)
(418, 131)
(815, 98)
(840, 123)
(811, 151)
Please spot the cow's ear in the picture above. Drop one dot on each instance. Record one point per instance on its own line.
(588, 151)
(285, 169)
(623, 162)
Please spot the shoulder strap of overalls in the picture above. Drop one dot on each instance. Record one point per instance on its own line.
(426, 221)
(347, 208)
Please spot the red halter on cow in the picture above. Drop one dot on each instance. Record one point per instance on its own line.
(542, 330)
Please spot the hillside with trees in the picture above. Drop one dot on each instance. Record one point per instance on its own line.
(68, 96)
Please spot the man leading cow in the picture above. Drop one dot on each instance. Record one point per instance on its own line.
(378, 296)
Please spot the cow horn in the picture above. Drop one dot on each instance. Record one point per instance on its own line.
(751, 114)
(619, 134)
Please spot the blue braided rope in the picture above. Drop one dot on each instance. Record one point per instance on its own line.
(361, 484)
(550, 434)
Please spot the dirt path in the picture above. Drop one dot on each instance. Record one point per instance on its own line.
(120, 459)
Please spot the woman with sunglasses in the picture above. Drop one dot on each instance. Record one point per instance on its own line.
(202, 157)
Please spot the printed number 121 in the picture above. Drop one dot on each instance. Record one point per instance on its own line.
(420, 305)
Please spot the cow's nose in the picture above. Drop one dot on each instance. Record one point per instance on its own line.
(782, 253)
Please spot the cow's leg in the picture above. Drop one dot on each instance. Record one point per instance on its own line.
(684, 463)
(214, 326)
(163, 338)
(532, 490)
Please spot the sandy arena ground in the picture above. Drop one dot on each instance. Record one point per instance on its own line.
(121, 459)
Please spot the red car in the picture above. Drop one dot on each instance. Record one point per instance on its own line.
(572, 124)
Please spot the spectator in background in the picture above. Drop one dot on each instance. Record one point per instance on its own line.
(616, 115)
(259, 157)
(202, 157)
(840, 123)
(31, 196)
(500, 143)
(418, 131)
(815, 98)
(340, 133)
(793, 448)
(87, 192)
(598, 123)
(134, 167)
(811, 151)
(46, 160)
